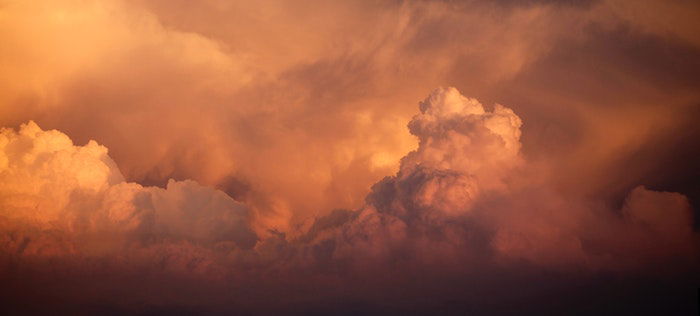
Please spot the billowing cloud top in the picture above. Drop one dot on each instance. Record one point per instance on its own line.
(466, 189)
(59, 200)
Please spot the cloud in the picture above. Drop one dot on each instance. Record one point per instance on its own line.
(61, 200)
(295, 110)
(232, 111)
(466, 192)
(463, 150)
(464, 198)
(237, 88)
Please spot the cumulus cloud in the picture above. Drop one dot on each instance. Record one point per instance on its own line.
(237, 88)
(463, 151)
(463, 200)
(466, 192)
(295, 110)
(232, 110)
(58, 199)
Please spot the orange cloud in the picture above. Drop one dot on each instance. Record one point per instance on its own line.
(251, 140)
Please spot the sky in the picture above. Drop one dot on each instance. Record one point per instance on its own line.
(349, 157)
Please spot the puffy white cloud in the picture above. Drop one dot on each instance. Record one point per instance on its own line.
(463, 150)
(457, 133)
(58, 199)
(466, 192)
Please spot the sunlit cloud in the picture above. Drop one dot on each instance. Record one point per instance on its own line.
(260, 149)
